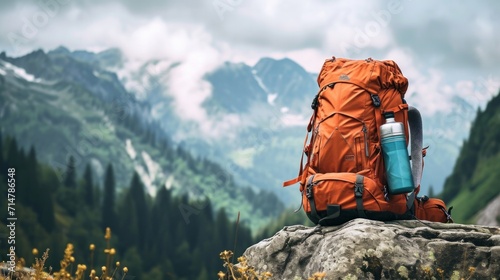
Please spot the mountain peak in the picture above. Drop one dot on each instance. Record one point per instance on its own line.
(60, 50)
(36, 54)
(270, 63)
(228, 90)
(235, 66)
(287, 79)
(107, 58)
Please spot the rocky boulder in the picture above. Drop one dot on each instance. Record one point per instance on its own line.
(366, 249)
(490, 215)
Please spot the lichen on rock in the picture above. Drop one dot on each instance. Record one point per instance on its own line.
(367, 249)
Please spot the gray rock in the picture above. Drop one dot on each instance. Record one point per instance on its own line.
(366, 249)
(490, 215)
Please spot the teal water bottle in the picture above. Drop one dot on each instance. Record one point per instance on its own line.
(396, 159)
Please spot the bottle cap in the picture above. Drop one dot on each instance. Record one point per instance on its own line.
(391, 128)
(389, 114)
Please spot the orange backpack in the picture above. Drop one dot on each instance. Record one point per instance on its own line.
(344, 175)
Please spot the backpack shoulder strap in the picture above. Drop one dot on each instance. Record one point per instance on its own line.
(416, 133)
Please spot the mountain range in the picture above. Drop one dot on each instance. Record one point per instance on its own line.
(66, 105)
(265, 108)
(252, 120)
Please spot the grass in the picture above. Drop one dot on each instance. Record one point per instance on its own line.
(469, 202)
(243, 271)
(69, 269)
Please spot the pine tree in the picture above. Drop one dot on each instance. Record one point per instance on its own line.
(44, 203)
(88, 186)
(128, 229)
(2, 158)
(138, 196)
(14, 155)
(16, 159)
(160, 241)
(108, 215)
(70, 174)
(3, 182)
(223, 231)
(30, 193)
(44, 186)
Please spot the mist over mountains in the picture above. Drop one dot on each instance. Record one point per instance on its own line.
(66, 107)
(249, 118)
(256, 118)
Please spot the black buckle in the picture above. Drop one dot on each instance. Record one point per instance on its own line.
(375, 100)
(315, 103)
(309, 193)
(309, 187)
(423, 198)
(358, 190)
(447, 214)
(386, 194)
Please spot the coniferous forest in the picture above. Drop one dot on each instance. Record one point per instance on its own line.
(164, 237)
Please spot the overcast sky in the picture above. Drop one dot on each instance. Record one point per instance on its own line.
(442, 48)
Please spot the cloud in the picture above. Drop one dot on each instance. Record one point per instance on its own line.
(439, 46)
(451, 36)
(433, 90)
(188, 45)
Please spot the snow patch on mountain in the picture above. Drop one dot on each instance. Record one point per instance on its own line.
(148, 170)
(169, 183)
(19, 72)
(152, 167)
(130, 149)
(271, 97)
(146, 180)
(149, 174)
(259, 81)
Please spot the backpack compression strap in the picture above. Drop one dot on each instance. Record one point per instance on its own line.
(416, 133)
(333, 211)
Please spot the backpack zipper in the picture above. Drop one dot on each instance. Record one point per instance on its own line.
(365, 132)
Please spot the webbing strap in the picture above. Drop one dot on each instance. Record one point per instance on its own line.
(415, 123)
(292, 181)
(358, 193)
(301, 166)
(310, 197)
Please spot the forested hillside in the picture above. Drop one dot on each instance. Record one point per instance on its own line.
(165, 237)
(65, 105)
(475, 180)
